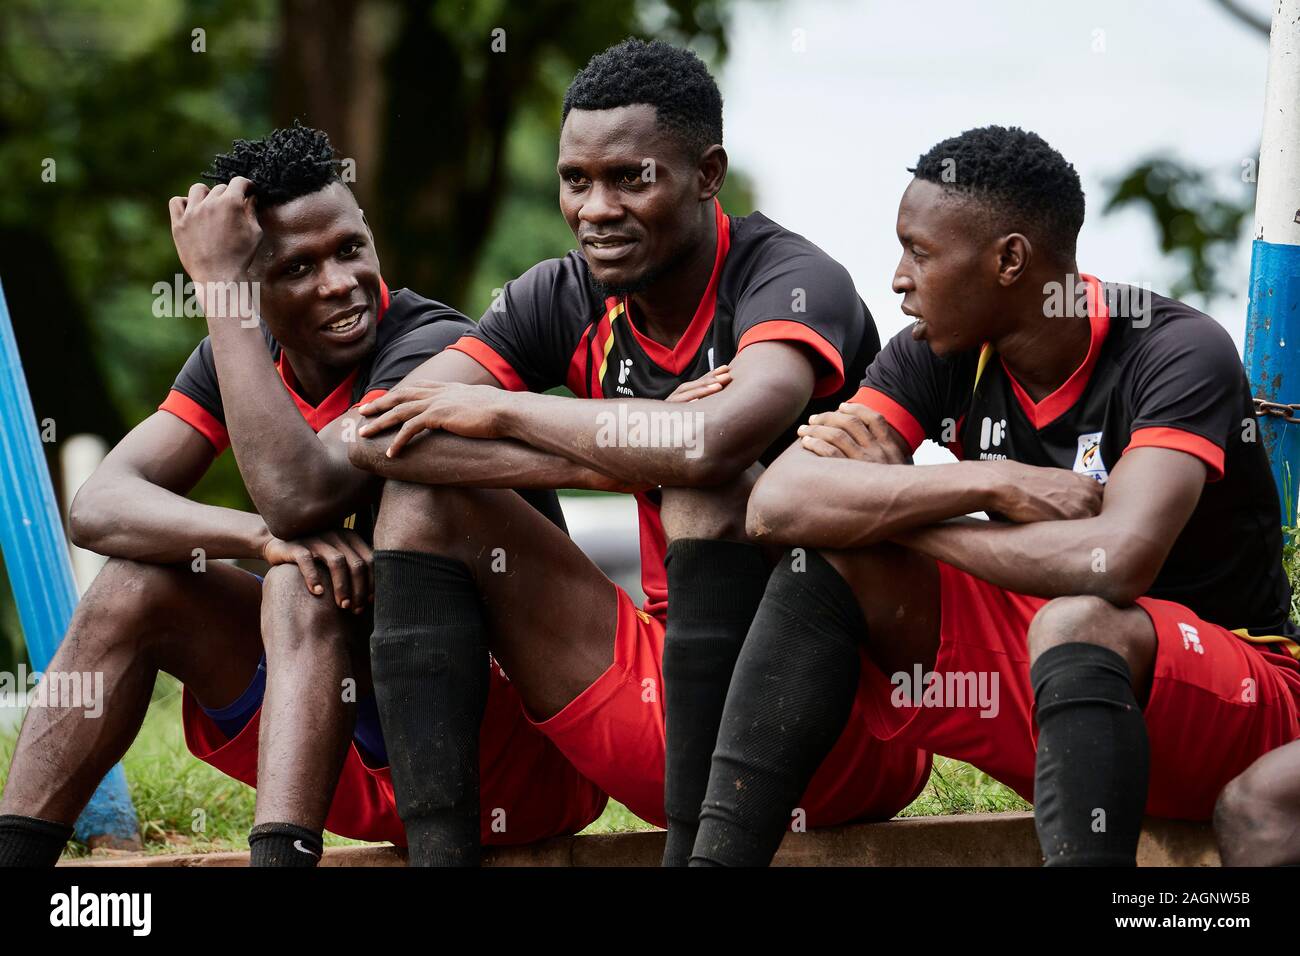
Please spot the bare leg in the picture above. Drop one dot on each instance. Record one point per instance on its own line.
(1256, 818)
(135, 620)
(306, 725)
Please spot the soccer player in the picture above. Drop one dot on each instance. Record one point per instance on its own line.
(275, 671)
(1114, 640)
(667, 300)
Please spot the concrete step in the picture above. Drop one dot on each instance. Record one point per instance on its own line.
(975, 839)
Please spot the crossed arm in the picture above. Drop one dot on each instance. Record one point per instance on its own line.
(1065, 537)
(451, 433)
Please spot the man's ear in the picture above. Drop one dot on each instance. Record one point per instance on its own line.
(713, 171)
(1014, 255)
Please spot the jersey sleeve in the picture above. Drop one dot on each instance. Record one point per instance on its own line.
(1187, 389)
(403, 354)
(809, 299)
(528, 336)
(195, 397)
(911, 388)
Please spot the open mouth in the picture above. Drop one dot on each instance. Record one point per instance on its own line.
(348, 326)
(608, 249)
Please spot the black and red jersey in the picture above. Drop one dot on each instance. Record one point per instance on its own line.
(1161, 374)
(550, 328)
(410, 330)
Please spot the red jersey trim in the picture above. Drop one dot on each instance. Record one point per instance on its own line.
(370, 396)
(784, 330)
(491, 360)
(1157, 436)
(903, 421)
(1041, 414)
(197, 417)
(676, 359)
(335, 404)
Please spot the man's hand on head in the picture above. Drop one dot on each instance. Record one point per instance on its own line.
(855, 432)
(472, 411)
(348, 561)
(216, 230)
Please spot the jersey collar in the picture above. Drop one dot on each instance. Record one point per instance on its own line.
(1041, 414)
(677, 358)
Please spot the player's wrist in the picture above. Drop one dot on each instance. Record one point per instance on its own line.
(992, 485)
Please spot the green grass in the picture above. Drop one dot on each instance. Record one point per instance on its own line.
(186, 806)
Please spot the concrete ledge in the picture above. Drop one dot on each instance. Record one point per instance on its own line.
(977, 839)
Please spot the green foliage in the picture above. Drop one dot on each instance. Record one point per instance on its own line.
(1196, 223)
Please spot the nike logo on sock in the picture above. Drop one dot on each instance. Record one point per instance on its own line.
(297, 845)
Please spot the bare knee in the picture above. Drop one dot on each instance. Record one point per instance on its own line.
(715, 512)
(128, 599)
(1254, 819)
(294, 619)
(416, 517)
(1085, 619)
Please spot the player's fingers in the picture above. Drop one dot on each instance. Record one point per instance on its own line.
(216, 191)
(196, 195)
(337, 566)
(820, 448)
(358, 573)
(176, 209)
(848, 423)
(837, 437)
(307, 565)
(239, 186)
(395, 416)
(367, 556)
(408, 431)
(691, 392)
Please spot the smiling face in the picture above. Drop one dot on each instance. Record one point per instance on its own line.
(319, 277)
(631, 193)
(949, 271)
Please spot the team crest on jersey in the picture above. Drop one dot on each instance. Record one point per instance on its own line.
(1087, 460)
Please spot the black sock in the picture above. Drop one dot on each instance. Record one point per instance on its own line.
(429, 661)
(714, 589)
(284, 844)
(27, 841)
(1090, 784)
(791, 694)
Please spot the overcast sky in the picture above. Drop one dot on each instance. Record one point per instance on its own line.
(827, 133)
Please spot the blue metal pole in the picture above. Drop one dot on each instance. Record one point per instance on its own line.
(36, 558)
(1273, 319)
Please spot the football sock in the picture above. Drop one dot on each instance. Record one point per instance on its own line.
(1090, 783)
(29, 842)
(791, 694)
(714, 589)
(429, 660)
(284, 845)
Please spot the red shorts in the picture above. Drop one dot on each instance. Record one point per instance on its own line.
(613, 732)
(1217, 702)
(527, 790)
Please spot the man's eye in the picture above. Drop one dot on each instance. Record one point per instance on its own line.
(575, 179)
(631, 178)
(350, 248)
(296, 269)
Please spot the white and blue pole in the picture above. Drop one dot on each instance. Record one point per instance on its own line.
(40, 571)
(1273, 319)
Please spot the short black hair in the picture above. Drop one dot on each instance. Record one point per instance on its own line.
(286, 164)
(671, 79)
(1018, 174)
